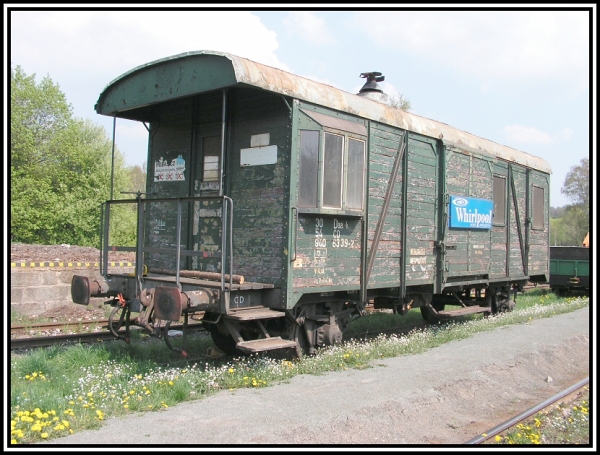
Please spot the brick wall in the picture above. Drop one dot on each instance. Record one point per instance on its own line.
(34, 290)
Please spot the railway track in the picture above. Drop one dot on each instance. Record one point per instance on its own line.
(57, 326)
(58, 332)
(81, 337)
(550, 402)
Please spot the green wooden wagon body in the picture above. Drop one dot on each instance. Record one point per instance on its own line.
(318, 202)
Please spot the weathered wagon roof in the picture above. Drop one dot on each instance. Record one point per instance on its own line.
(185, 74)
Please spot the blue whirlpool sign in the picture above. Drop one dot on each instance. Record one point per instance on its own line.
(469, 212)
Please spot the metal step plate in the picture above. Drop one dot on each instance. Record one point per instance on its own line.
(265, 344)
(467, 310)
(255, 313)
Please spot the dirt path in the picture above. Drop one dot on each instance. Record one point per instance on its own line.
(446, 395)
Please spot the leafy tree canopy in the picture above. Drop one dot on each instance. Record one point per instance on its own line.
(577, 183)
(60, 169)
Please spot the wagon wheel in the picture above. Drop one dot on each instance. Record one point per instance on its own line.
(506, 305)
(298, 334)
(501, 302)
(224, 342)
(117, 319)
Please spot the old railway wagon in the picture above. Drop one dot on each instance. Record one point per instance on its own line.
(277, 208)
(569, 269)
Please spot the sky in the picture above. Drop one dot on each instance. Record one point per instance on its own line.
(521, 78)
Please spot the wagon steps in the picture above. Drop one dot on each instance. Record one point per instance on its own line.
(257, 315)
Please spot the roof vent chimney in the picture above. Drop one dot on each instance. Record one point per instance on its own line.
(371, 89)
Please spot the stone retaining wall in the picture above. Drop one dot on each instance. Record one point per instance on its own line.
(34, 290)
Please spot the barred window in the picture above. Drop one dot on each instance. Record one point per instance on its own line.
(538, 207)
(499, 200)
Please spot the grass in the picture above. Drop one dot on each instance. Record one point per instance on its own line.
(57, 391)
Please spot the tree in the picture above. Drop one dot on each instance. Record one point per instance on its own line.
(557, 212)
(576, 186)
(37, 113)
(138, 178)
(60, 169)
(574, 225)
(576, 220)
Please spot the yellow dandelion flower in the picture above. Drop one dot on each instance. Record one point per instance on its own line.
(170, 382)
(13, 441)
(126, 406)
(44, 435)
(66, 423)
(498, 438)
(231, 370)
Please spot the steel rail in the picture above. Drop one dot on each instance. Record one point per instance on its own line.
(524, 415)
(15, 329)
(88, 337)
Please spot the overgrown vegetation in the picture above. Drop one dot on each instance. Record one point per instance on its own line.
(57, 391)
(564, 424)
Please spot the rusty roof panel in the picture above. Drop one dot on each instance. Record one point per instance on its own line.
(278, 81)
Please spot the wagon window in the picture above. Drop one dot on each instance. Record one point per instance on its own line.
(356, 174)
(309, 168)
(499, 200)
(538, 207)
(211, 148)
(333, 168)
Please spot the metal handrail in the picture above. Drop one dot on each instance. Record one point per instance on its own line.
(227, 231)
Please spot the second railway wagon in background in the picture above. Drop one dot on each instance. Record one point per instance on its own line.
(277, 207)
(570, 268)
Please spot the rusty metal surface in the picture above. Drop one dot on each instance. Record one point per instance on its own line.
(168, 303)
(278, 81)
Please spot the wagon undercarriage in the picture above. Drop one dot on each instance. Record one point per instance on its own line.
(241, 330)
